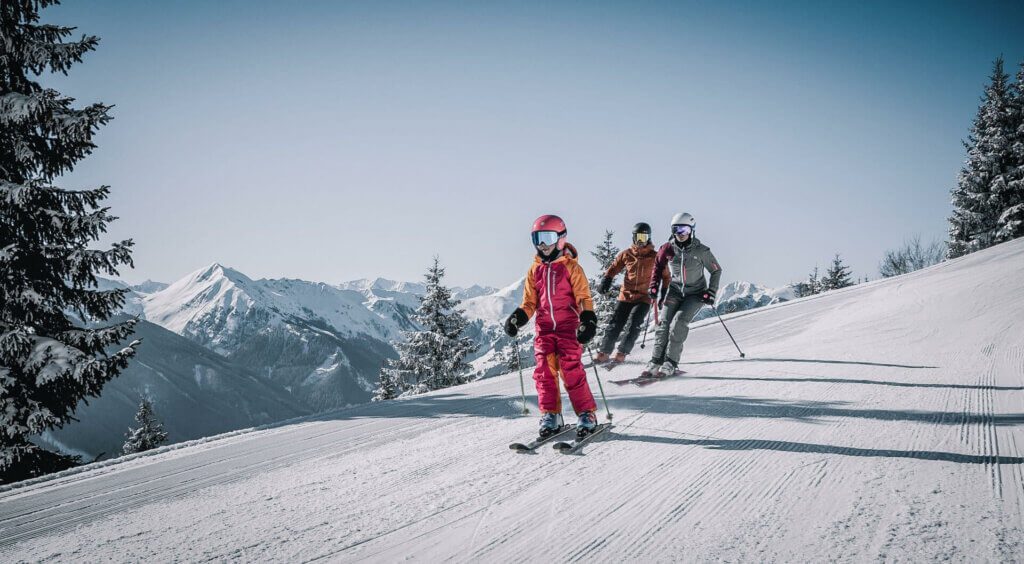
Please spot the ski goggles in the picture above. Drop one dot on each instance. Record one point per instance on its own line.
(641, 238)
(548, 238)
(682, 229)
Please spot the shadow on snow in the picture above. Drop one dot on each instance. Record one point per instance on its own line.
(743, 407)
(786, 446)
(807, 360)
(860, 381)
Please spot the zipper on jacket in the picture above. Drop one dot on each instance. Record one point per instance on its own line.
(682, 266)
(551, 303)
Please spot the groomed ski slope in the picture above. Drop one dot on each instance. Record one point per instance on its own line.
(878, 422)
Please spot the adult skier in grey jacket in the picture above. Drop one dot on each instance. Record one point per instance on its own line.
(687, 259)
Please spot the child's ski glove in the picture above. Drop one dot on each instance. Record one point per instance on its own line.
(606, 284)
(588, 327)
(515, 321)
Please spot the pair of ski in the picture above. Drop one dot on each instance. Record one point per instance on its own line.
(647, 378)
(564, 447)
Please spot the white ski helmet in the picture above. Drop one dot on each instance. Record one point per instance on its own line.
(684, 219)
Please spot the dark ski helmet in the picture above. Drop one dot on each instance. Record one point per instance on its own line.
(644, 231)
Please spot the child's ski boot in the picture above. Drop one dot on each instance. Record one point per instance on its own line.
(550, 424)
(586, 425)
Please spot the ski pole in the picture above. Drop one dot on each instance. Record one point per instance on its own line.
(715, 309)
(600, 386)
(522, 387)
(647, 326)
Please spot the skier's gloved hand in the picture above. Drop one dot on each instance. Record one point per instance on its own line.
(515, 321)
(653, 295)
(606, 284)
(588, 327)
(708, 297)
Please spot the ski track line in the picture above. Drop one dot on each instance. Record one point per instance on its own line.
(443, 462)
(519, 484)
(553, 502)
(302, 436)
(726, 504)
(178, 490)
(398, 423)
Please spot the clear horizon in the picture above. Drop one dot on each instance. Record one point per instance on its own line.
(340, 141)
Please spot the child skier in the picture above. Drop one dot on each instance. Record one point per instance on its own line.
(634, 303)
(686, 258)
(556, 289)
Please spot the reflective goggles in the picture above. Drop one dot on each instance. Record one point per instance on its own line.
(641, 238)
(682, 229)
(548, 238)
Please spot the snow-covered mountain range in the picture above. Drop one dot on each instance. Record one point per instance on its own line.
(315, 325)
(197, 393)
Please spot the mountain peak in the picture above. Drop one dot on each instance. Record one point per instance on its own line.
(217, 270)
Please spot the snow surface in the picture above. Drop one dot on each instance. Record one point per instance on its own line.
(878, 422)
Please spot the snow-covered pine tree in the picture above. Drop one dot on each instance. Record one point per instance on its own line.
(514, 356)
(433, 357)
(148, 435)
(391, 383)
(976, 203)
(837, 276)
(49, 362)
(604, 305)
(1010, 224)
(811, 286)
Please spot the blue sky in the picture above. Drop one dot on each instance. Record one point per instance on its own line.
(339, 140)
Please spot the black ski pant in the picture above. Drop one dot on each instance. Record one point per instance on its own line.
(676, 315)
(629, 315)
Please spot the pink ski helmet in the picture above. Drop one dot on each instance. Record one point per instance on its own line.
(549, 229)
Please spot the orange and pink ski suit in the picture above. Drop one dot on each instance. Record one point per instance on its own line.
(558, 292)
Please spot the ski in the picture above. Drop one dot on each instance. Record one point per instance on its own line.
(532, 446)
(646, 378)
(648, 381)
(574, 446)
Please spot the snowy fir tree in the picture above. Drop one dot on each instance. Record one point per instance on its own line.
(433, 357)
(837, 276)
(390, 385)
(983, 182)
(1010, 223)
(811, 286)
(513, 357)
(148, 435)
(604, 305)
(54, 348)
